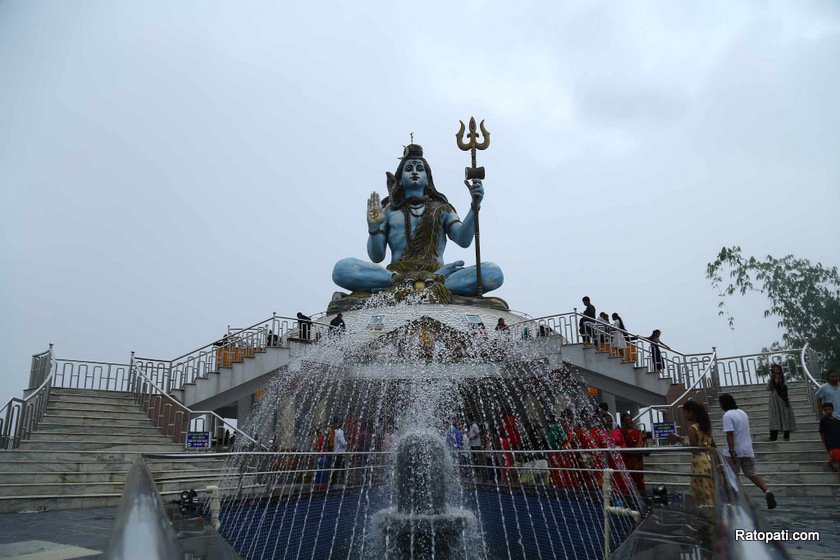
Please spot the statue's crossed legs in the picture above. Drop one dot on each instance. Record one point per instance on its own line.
(358, 275)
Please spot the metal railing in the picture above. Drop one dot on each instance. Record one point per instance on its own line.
(20, 417)
(748, 369)
(635, 349)
(95, 376)
(754, 369)
(174, 419)
(703, 390)
(233, 347)
(252, 476)
(40, 368)
(810, 359)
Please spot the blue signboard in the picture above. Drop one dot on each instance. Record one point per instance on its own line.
(661, 430)
(198, 440)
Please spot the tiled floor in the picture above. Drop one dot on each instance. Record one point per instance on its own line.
(86, 528)
(89, 529)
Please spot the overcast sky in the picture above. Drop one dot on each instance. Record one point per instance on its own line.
(169, 168)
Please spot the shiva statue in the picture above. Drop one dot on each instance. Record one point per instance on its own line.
(414, 221)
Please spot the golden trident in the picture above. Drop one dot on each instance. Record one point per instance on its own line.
(473, 145)
(474, 173)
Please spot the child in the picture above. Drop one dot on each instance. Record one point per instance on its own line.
(830, 434)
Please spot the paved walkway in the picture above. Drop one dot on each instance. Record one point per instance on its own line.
(82, 533)
(808, 514)
(55, 535)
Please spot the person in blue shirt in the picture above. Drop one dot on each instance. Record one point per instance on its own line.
(454, 438)
(830, 393)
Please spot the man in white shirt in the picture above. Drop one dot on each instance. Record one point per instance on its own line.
(474, 439)
(736, 425)
(339, 446)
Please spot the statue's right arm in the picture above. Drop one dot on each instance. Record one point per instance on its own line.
(377, 229)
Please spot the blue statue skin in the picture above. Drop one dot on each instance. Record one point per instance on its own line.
(357, 275)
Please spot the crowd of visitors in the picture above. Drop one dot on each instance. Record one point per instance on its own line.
(609, 334)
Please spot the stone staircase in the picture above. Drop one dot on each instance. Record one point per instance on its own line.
(789, 468)
(603, 369)
(82, 450)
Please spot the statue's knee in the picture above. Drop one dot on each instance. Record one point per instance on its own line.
(492, 276)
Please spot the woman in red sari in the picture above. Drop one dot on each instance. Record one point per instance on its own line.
(634, 437)
(560, 463)
(505, 444)
(512, 431)
(615, 461)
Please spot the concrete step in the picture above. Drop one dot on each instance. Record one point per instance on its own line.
(111, 429)
(77, 488)
(93, 467)
(768, 466)
(102, 446)
(779, 490)
(761, 402)
(115, 438)
(771, 479)
(140, 420)
(786, 455)
(94, 456)
(57, 502)
(716, 416)
(87, 392)
(104, 397)
(112, 475)
(92, 408)
(10, 504)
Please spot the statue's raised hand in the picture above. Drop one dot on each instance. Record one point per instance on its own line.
(476, 190)
(375, 213)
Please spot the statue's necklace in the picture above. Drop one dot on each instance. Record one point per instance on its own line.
(420, 208)
(409, 209)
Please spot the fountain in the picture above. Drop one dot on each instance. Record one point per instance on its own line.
(422, 525)
(416, 361)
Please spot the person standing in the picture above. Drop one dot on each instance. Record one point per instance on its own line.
(506, 459)
(454, 438)
(830, 392)
(634, 437)
(780, 412)
(586, 321)
(337, 325)
(339, 446)
(830, 434)
(700, 435)
(620, 480)
(739, 450)
(655, 350)
(509, 421)
(304, 326)
(603, 329)
(619, 343)
(474, 441)
(502, 326)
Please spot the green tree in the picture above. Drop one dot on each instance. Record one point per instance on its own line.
(805, 297)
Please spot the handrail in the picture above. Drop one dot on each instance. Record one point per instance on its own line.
(669, 363)
(144, 397)
(40, 368)
(706, 374)
(23, 415)
(806, 369)
(141, 529)
(811, 391)
(231, 348)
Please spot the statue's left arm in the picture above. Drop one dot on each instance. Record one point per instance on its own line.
(462, 233)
